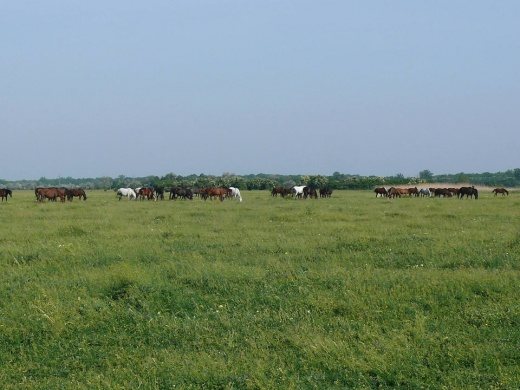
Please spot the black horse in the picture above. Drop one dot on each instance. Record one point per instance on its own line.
(4, 192)
(468, 191)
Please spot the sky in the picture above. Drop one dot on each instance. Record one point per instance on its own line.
(139, 88)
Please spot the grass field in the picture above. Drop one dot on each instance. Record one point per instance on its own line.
(270, 293)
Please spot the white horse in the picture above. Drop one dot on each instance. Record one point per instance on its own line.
(297, 191)
(126, 192)
(235, 192)
(425, 192)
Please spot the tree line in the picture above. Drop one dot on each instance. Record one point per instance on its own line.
(339, 181)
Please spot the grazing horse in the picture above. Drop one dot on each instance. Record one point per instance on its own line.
(46, 193)
(381, 191)
(454, 191)
(444, 192)
(394, 192)
(51, 194)
(325, 192)
(181, 192)
(159, 193)
(216, 192)
(298, 192)
(130, 193)
(61, 193)
(413, 191)
(79, 192)
(502, 191)
(468, 191)
(310, 192)
(234, 193)
(4, 192)
(277, 190)
(146, 193)
(424, 192)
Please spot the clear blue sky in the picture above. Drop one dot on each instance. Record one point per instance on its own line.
(137, 88)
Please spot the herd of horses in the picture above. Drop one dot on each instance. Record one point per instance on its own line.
(52, 194)
(150, 193)
(302, 192)
(468, 192)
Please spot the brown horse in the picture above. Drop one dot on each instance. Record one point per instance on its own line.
(413, 191)
(444, 192)
(4, 192)
(79, 192)
(51, 194)
(394, 192)
(502, 191)
(277, 190)
(216, 192)
(146, 193)
(381, 191)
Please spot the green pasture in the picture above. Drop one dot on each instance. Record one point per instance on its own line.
(351, 292)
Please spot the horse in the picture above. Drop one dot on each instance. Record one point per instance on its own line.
(181, 192)
(502, 191)
(310, 192)
(146, 192)
(4, 192)
(325, 192)
(442, 191)
(277, 190)
(454, 191)
(51, 194)
(79, 192)
(398, 192)
(130, 193)
(159, 193)
(234, 193)
(424, 192)
(413, 191)
(297, 192)
(381, 191)
(214, 192)
(468, 191)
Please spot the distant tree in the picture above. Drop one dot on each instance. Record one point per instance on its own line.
(426, 175)
(462, 178)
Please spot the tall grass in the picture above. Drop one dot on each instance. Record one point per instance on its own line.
(347, 292)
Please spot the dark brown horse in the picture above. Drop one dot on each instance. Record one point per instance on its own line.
(79, 192)
(413, 191)
(468, 191)
(277, 190)
(309, 192)
(502, 191)
(444, 192)
(381, 191)
(325, 192)
(4, 192)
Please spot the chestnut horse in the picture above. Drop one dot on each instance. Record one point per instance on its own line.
(146, 192)
(215, 192)
(502, 191)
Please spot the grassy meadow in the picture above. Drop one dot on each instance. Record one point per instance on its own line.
(348, 292)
